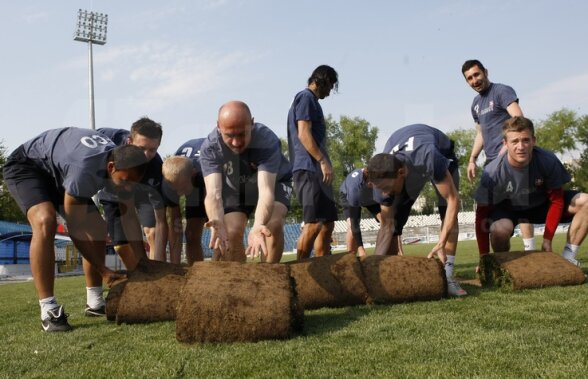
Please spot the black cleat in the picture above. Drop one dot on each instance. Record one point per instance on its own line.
(94, 312)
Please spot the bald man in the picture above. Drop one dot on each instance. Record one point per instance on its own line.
(244, 170)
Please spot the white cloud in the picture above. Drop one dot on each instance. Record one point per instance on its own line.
(569, 92)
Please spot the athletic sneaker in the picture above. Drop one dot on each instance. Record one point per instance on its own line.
(57, 321)
(573, 261)
(454, 289)
(95, 312)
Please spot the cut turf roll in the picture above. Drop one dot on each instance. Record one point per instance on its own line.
(528, 269)
(399, 279)
(151, 293)
(329, 281)
(232, 301)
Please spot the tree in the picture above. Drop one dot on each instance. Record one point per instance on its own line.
(566, 133)
(351, 144)
(9, 210)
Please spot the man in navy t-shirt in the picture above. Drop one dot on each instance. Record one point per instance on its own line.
(355, 193)
(244, 170)
(311, 167)
(146, 134)
(413, 156)
(494, 104)
(58, 172)
(183, 177)
(526, 185)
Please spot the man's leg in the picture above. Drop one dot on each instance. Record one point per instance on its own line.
(578, 228)
(194, 227)
(42, 218)
(349, 240)
(235, 223)
(528, 235)
(275, 243)
(500, 232)
(150, 236)
(306, 240)
(322, 243)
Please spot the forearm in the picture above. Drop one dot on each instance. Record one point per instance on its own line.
(450, 221)
(477, 147)
(307, 140)
(175, 231)
(161, 233)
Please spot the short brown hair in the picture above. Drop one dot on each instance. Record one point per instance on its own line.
(146, 127)
(383, 166)
(517, 124)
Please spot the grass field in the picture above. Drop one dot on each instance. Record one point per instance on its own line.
(489, 334)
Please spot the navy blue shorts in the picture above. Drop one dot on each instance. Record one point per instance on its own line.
(245, 201)
(315, 197)
(535, 215)
(30, 185)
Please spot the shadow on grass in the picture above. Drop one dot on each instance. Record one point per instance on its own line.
(328, 320)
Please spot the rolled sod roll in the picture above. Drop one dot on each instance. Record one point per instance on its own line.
(113, 298)
(528, 269)
(232, 301)
(151, 293)
(329, 281)
(400, 279)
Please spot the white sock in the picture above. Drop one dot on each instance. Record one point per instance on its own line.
(47, 304)
(449, 267)
(94, 297)
(570, 251)
(529, 243)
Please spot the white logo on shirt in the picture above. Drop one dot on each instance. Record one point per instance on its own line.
(509, 187)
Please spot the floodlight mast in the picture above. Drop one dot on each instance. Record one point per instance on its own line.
(91, 28)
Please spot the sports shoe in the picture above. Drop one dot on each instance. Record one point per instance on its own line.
(57, 321)
(573, 261)
(94, 312)
(454, 289)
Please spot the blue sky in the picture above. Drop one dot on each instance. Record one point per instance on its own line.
(178, 61)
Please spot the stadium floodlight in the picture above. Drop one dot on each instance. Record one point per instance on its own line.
(91, 28)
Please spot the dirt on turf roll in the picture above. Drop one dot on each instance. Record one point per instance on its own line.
(329, 281)
(528, 269)
(399, 279)
(113, 298)
(232, 301)
(151, 293)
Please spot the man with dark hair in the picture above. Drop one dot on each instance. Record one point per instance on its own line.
(355, 193)
(183, 177)
(312, 169)
(414, 155)
(526, 185)
(146, 134)
(494, 104)
(58, 172)
(244, 170)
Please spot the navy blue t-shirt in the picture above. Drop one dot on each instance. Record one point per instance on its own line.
(489, 110)
(76, 158)
(521, 188)
(149, 188)
(264, 153)
(356, 191)
(427, 153)
(306, 107)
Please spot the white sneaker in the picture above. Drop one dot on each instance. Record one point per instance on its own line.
(454, 289)
(573, 261)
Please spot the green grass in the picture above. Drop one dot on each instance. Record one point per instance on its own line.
(491, 333)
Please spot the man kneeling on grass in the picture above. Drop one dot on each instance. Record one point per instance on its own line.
(526, 185)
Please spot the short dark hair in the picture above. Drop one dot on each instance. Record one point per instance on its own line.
(129, 157)
(517, 124)
(471, 63)
(323, 76)
(146, 127)
(383, 166)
